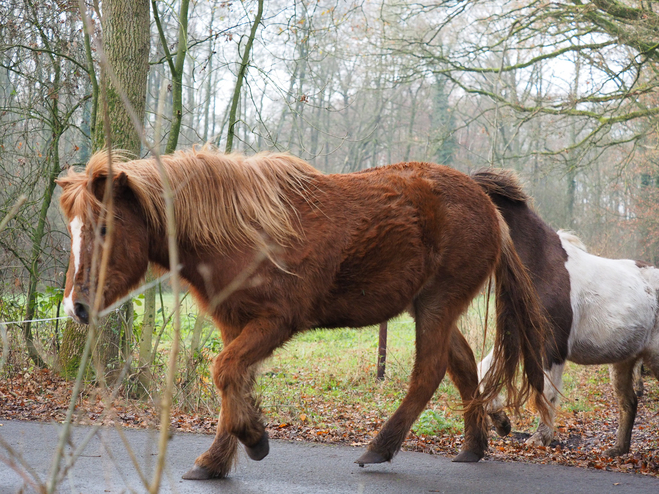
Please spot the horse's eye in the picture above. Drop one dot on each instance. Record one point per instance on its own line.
(103, 231)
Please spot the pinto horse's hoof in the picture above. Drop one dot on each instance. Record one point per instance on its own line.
(199, 473)
(259, 450)
(467, 457)
(370, 457)
(501, 423)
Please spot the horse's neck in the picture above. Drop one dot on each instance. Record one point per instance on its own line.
(208, 270)
(159, 250)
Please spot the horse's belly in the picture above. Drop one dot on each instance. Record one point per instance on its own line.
(607, 350)
(598, 339)
(362, 308)
(373, 288)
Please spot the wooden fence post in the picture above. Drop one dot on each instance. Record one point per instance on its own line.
(382, 351)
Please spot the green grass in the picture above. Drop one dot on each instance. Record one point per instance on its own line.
(337, 367)
(434, 423)
(578, 385)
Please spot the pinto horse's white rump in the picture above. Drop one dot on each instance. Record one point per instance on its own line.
(614, 306)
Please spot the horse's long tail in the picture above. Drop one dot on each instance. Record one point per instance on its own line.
(521, 329)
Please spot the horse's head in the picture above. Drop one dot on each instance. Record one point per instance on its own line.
(93, 230)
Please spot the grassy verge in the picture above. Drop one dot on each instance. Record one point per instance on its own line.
(323, 372)
(322, 387)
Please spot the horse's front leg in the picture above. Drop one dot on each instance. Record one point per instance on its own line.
(462, 371)
(622, 377)
(217, 462)
(553, 385)
(233, 373)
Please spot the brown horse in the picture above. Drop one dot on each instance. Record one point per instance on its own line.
(341, 250)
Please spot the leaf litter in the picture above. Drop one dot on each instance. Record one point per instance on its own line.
(583, 433)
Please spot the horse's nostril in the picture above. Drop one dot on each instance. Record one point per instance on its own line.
(81, 312)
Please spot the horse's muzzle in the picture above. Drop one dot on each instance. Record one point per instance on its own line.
(81, 312)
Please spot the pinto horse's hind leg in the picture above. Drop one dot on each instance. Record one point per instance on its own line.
(622, 376)
(638, 379)
(462, 371)
(494, 408)
(552, 390)
(435, 320)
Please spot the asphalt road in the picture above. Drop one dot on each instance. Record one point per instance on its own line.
(290, 468)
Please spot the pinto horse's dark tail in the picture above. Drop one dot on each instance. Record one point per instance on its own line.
(520, 335)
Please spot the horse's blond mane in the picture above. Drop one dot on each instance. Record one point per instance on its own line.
(573, 239)
(220, 199)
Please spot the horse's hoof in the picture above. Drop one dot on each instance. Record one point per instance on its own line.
(538, 439)
(370, 457)
(467, 457)
(501, 423)
(259, 450)
(199, 473)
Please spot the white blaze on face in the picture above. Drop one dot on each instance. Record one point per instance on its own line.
(76, 240)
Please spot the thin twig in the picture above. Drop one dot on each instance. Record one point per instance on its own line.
(171, 372)
(13, 211)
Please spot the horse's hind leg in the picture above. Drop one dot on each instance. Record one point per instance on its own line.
(435, 320)
(462, 371)
(622, 376)
(494, 408)
(552, 390)
(638, 379)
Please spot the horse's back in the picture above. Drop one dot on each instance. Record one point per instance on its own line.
(440, 196)
(614, 307)
(387, 232)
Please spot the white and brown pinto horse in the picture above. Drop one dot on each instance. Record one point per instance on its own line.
(342, 250)
(601, 311)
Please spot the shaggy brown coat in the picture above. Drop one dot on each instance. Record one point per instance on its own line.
(340, 250)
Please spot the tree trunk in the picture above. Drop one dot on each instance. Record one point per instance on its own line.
(209, 85)
(38, 233)
(37, 238)
(104, 351)
(73, 341)
(176, 69)
(126, 43)
(146, 338)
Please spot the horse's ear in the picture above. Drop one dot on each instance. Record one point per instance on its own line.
(66, 180)
(119, 185)
(120, 182)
